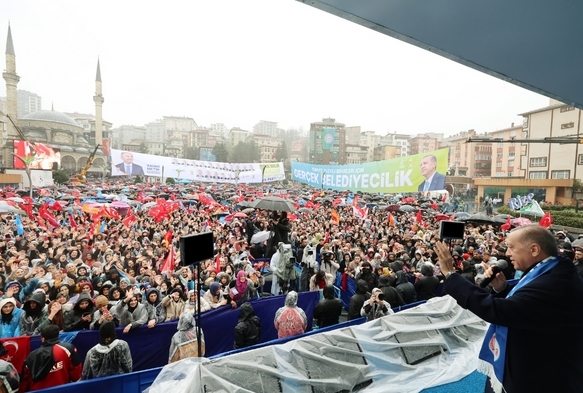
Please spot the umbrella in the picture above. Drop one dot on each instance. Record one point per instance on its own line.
(480, 219)
(406, 208)
(15, 199)
(248, 210)
(260, 237)
(240, 215)
(577, 243)
(461, 215)
(11, 209)
(521, 221)
(221, 214)
(441, 217)
(273, 203)
(305, 210)
(148, 205)
(393, 208)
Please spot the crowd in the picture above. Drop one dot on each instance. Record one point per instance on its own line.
(73, 266)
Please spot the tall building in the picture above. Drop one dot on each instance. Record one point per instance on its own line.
(400, 140)
(267, 146)
(220, 128)
(28, 102)
(423, 143)
(268, 128)
(469, 159)
(356, 154)
(327, 142)
(552, 160)
(506, 156)
(127, 133)
(235, 136)
(371, 140)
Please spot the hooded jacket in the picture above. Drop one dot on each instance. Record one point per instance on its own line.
(378, 308)
(12, 327)
(73, 317)
(248, 329)
(392, 296)
(107, 359)
(192, 307)
(155, 310)
(39, 369)
(358, 299)
(136, 317)
(328, 310)
(405, 288)
(24, 290)
(290, 320)
(184, 342)
(32, 321)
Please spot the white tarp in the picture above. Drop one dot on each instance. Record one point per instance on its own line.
(429, 345)
(205, 171)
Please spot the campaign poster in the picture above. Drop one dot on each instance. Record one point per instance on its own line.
(37, 155)
(417, 173)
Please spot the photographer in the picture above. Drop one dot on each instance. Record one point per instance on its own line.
(329, 264)
(376, 306)
(280, 227)
(309, 267)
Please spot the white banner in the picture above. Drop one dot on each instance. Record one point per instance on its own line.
(126, 163)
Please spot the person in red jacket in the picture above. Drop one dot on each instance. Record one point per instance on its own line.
(53, 364)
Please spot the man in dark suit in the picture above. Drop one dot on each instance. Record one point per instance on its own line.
(536, 324)
(127, 166)
(433, 180)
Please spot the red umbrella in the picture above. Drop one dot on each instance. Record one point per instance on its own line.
(240, 215)
(440, 217)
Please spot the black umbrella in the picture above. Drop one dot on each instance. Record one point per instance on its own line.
(480, 219)
(273, 203)
(406, 208)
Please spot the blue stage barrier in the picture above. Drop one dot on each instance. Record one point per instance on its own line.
(150, 347)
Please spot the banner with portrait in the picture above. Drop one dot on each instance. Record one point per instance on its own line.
(125, 163)
(417, 173)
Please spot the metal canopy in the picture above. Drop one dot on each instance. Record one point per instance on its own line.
(531, 43)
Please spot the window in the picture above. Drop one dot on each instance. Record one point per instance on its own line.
(510, 174)
(499, 174)
(538, 175)
(538, 161)
(580, 161)
(511, 163)
(513, 133)
(499, 164)
(564, 174)
(567, 125)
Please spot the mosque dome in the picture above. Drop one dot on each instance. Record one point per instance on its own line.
(52, 116)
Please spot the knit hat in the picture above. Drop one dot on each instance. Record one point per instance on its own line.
(126, 280)
(63, 294)
(101, 301)
(107, 333)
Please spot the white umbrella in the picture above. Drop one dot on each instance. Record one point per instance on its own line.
(148, 205)
(260, 237)
(15, 199)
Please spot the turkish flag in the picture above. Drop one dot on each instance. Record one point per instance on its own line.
(17, 349)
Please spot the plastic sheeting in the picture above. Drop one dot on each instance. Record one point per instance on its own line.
(429, 345)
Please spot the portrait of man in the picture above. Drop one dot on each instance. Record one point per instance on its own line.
(433, 179)
(127, 166)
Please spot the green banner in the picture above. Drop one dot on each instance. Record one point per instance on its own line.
(328, 138)
(418, 173)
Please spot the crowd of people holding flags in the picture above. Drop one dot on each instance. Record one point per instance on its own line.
(84, 257)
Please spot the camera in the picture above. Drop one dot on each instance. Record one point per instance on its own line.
(327, 255)
(381, 297)
(310, 252)
(451, 230)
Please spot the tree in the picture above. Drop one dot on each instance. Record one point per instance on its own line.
(143, 148)
(220, 152)
(138, 179)
(60, 176)
(245, 152)
(192, 153)
(281, 153)
(170, 180)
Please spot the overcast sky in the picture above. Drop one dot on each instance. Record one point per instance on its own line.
(240, 61)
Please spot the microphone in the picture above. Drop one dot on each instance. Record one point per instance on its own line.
(497, 267)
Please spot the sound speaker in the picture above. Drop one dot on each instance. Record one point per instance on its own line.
(196, 248)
